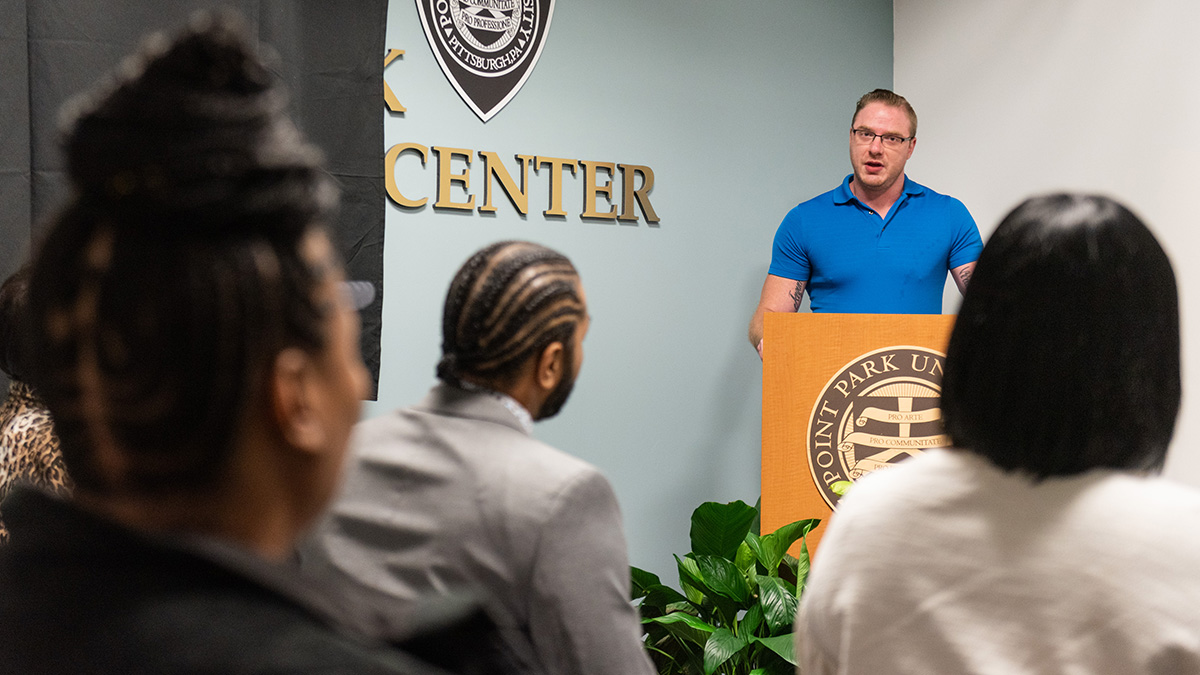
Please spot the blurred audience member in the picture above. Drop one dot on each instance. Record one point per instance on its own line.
(199, 354)
(28, 446)
(455, 494)
(1044, 541)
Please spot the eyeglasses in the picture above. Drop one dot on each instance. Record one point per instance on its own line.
(890, 141)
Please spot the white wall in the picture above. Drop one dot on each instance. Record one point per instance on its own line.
(741, 109)
(1017, 97)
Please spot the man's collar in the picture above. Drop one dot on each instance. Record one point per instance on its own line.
(912, 187)
(845, 195)
(518, 411)
(478, 403)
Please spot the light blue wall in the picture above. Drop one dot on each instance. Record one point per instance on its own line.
(741, 109)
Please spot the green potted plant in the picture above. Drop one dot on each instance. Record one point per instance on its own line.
(737, 600)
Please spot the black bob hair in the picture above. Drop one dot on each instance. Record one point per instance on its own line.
(1065, 356)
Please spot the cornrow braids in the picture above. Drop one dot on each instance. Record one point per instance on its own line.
(167, 284)
(507, 303)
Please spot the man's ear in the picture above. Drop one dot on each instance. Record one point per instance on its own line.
(550, 365)
(293, 388)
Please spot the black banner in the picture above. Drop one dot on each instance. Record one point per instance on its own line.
(331, 59)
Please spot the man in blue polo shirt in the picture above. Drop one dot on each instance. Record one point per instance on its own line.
(877, 244)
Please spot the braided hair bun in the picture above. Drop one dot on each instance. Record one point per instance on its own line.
(190, 139)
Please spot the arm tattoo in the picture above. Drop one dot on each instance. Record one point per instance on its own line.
(797, 295)
(964, 276)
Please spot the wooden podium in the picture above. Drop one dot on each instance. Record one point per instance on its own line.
(844, 395)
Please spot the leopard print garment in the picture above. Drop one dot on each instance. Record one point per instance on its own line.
(28, 446)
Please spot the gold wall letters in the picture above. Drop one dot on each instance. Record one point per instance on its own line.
(453, 184)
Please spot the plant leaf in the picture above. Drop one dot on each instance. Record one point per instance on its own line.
(689, 572)
(717, 528)
(790, 533)
(659, 597)
(681, 606)
(684, 625)
(783, 645)
(723, 578)
(745, 557)
(721, 646)
(681, 656)
(689, 580)
(775, 545)
(803, 565)
(775, 665)
(789, 587)
(771, 553)
(840, 487)
(669, 656)
(753, 619)
(778, 603)
(640, 580)
(754, 542)
(787, 570)
(752, 577)
(711, 604)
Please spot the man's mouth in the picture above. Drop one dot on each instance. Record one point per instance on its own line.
(874, 165)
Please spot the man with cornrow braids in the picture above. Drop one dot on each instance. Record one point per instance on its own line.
(454, 495)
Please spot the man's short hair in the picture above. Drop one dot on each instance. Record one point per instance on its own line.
(507, 303)
(1065, 354)
(888, 98)
(172, 277)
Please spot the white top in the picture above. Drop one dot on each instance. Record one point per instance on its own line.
(945, 564)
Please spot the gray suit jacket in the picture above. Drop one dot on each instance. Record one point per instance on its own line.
(452, 494)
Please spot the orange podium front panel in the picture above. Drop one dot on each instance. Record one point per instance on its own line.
(844, 395)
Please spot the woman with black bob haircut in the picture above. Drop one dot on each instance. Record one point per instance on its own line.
(199, 352)
(1043, 541)
(1065, 356)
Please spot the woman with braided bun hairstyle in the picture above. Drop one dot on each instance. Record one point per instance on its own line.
(199, 353)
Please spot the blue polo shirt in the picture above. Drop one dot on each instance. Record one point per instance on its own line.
(856, 262)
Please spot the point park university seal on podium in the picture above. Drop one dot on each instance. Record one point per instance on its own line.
(877, 410)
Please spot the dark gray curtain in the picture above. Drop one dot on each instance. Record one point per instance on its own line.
(331, 58)
(15, 194)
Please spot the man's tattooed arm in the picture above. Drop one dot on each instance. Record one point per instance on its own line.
(797, 295)
(962, 275)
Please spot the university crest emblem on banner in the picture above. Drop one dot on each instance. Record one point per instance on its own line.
(486, 48)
